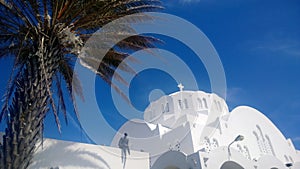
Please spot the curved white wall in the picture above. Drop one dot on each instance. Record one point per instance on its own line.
(262, 137)
(72, 155)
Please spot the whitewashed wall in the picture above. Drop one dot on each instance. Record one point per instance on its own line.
(71, 155)
(198, 121)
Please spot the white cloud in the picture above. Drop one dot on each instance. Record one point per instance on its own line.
(280, 43)
(296, 139)
(290, 47)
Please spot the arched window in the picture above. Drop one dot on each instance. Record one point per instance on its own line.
(256, 136)
(240, 148)
(215, 143)
(207, 144)
(247, 153)
(291, 159)
(270, 147)
(260, 132)
(177, 146)
(180, 104)
(167, 107)
(286, 158)
(162, 108)
(199, 103)
(261, 140)
(186, 104)
(205, 103)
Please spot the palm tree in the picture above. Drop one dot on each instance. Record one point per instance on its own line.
(44, 38)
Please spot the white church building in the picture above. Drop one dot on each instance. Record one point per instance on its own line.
(184, 130)
(195, 130)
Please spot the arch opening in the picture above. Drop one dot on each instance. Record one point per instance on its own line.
(231, 165)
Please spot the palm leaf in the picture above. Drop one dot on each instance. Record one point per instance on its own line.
(45, 37)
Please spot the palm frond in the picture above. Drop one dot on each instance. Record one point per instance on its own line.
(73, 83)
(45, 37)
(61, 101)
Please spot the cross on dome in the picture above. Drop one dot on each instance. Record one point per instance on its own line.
(180, 86)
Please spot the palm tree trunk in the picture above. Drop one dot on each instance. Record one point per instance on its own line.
(27, 110)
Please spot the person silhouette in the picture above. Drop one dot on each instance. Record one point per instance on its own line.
(123, 145)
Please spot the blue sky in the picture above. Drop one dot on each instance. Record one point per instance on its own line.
(258, 44)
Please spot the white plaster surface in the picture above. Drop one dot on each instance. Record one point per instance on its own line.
(72, 155)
